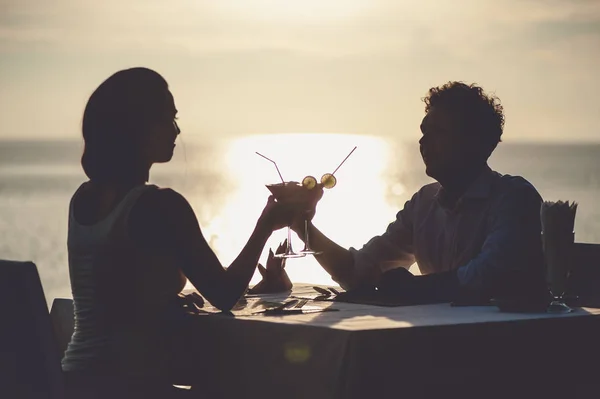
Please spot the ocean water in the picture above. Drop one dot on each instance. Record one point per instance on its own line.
(224, 180)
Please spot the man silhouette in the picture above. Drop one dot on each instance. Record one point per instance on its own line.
(474, 232)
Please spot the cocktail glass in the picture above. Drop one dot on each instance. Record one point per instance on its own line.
(294, 192)
(290, 192)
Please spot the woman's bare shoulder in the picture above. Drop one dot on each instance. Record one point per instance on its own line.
(160, 216)
(162, 200)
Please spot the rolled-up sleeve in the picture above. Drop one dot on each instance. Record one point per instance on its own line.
(512, 246)
(394, 248)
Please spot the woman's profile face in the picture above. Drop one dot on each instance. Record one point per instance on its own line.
(159, 140)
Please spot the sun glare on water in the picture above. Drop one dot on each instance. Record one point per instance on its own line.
(350, 213)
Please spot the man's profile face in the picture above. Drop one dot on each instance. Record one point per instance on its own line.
(442, 144)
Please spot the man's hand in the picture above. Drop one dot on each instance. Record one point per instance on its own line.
(309, 208)
(401, 284)
(274, 277)
(397, 283)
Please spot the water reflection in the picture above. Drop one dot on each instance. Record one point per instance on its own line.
(350, 213)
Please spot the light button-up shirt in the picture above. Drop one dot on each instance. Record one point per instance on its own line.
(494, 228)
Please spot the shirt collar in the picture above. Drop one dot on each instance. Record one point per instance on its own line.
(480, 188)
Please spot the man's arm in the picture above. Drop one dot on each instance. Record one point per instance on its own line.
(511, 257)
(510, 261)
(336, 260)
(353, 268)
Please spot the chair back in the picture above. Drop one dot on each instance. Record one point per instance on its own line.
(29, 359)
(584, 279)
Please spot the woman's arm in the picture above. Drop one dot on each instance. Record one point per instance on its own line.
(162, 221)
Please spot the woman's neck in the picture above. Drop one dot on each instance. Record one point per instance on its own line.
(125, 183)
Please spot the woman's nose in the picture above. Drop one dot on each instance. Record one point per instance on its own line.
(176, 126)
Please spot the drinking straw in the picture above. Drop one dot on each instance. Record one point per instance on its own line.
(342, 161)
(274, 163)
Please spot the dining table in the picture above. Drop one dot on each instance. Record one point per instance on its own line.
(305, 344)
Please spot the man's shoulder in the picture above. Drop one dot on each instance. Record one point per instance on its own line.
(506, 183)
(428, 191)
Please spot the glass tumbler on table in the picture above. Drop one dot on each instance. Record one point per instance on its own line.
(558, 248)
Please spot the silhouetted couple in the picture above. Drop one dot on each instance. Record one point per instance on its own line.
(132, 245)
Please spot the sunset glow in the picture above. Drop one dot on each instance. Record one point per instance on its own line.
(291, 11)
(360, 185)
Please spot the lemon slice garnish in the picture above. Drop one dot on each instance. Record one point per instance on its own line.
(309, 182)
(328, 180)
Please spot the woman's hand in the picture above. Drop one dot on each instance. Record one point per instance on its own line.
(276, 215)
(274, 277)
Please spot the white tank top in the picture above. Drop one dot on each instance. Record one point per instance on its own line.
(94, 249)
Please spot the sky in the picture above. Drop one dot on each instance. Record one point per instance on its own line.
(241, 67)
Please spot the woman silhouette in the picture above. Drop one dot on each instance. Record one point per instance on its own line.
(132, 245)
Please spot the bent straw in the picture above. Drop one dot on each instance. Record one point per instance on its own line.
(343, 161)
(281, 177)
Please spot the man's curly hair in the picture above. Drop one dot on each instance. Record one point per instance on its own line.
(479, 114)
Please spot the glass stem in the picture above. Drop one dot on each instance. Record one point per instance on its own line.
(306, 233)
(289, 238)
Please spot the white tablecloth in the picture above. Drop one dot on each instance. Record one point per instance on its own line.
(363, 350)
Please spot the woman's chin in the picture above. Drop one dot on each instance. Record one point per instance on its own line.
(165, 158)
(431, 170)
